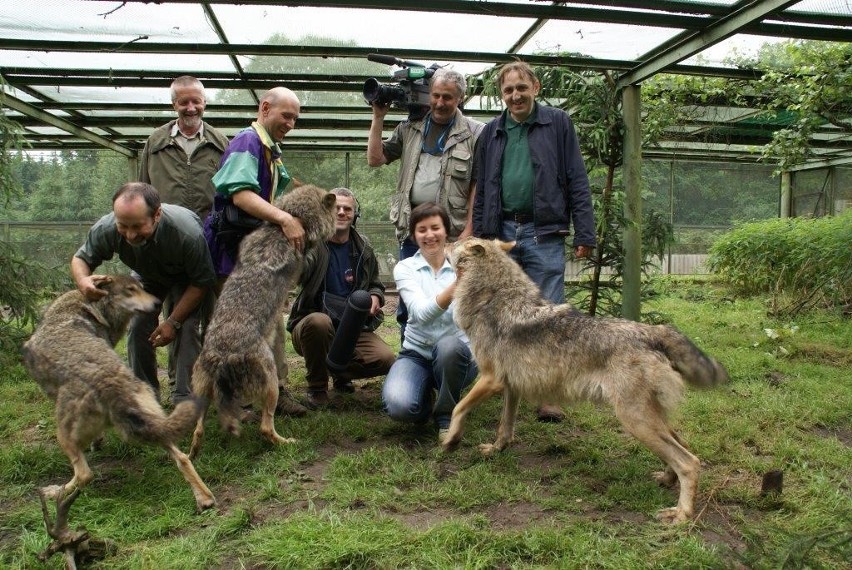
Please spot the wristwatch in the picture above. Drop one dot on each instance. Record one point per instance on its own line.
(175, 324)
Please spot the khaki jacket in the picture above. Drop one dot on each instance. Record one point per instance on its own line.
(457, 171)
(181, 180)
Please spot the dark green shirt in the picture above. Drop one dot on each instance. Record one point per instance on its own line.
(518, 177)
(176, 254)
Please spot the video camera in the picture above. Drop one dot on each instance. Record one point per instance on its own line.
(412, 91)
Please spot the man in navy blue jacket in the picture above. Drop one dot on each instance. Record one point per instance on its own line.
(532, 185)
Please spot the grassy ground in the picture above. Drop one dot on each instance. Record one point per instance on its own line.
(360, 491)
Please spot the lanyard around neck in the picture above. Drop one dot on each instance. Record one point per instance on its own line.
(438, 149)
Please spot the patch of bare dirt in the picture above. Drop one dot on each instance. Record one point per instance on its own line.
(843, 435)
(426, 519)
(518, 515)
(37, 433)
(9, 539)
(717, 528)
(823, 354)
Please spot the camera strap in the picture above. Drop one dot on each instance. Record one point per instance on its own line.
(438, 149)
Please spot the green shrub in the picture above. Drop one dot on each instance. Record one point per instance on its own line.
(806, 259)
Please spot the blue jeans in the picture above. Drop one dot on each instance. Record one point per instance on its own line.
(407, 393)
(542, 258)
(407, 248)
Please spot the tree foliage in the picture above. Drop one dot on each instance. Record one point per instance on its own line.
(804, 86)
(21, 280)
(813, 81)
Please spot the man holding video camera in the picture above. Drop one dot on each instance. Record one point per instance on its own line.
(437, 161)
(346, 264)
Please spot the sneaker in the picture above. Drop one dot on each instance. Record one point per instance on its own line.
(287, 406)
(317, 399)
(343, 386)
(550, 414)
(442, 434)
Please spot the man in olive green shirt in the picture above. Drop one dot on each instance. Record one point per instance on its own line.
(164, 246)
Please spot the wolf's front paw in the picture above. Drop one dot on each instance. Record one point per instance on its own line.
(488, 449)
(672, 515)
(450, 440)
(205, 503)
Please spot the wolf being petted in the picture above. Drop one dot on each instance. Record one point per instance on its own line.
(527, 347)
(237, 364)
(71, 356)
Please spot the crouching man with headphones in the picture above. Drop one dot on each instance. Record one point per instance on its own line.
(330, 275)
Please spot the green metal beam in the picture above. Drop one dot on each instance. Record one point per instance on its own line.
(214, 22)
(631, 306)
(572, 62)
(331, 124)
(695, 42)
(663, 14)
(47, 118)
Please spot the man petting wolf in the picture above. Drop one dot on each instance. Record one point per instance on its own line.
(164, 246)
(251, 176)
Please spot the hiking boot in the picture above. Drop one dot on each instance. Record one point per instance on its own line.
(550, 414)
(343, 386)
(317, 399)
(287, 406)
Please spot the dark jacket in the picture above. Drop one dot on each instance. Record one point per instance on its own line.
(562, 192)
(315, 268)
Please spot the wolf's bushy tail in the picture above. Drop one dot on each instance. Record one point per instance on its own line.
(694, 366)
(147, 423)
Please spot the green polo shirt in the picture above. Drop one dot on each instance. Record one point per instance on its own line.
(518, 176)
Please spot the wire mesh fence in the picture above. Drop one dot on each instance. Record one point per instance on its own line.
(701, 199)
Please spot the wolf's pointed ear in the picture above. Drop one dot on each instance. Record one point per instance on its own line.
(477, 249)
(506, 245)
(329, 200)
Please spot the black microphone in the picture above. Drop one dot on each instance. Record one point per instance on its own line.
(391, 60)
(354, 316)
(381, 58)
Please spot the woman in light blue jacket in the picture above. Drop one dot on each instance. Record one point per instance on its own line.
(435, 355)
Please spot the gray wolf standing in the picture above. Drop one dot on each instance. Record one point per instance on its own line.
(71, 356)
(237, 364)
(527, 347)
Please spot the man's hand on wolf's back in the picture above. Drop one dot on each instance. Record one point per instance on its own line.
(88, 286)
(293, 230)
